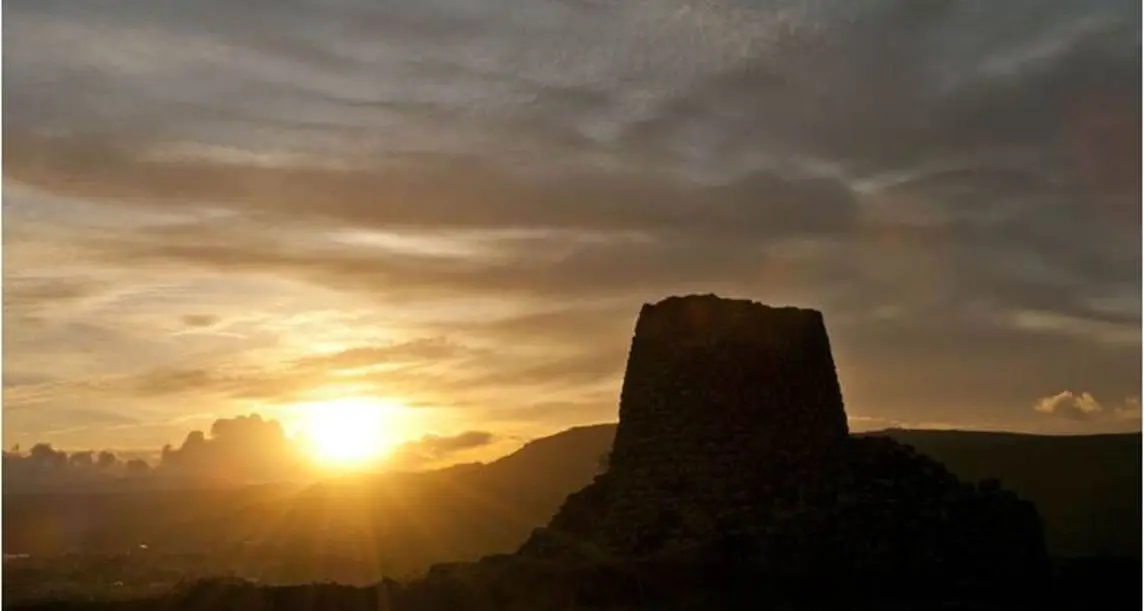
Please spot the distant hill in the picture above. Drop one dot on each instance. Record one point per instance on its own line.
(1088, 489)
(345, 529)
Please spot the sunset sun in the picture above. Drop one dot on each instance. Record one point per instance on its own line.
(350, 432)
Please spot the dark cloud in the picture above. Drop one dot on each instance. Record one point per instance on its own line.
(606, 266)
(280, 382)
(966, 81)
(45, 468)
(441, 193)
(200, 320)
(13, 380)
(238, 450)
(41, 292)
(42, 455)
(436, 448)
(82, 459)
(105, 460)
(437, 445)
(230, 382)
(137, 467)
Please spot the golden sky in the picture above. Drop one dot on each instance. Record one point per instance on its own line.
(213, 209)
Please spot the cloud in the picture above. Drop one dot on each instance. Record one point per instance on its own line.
(956, 184)
(412, 351)
(43, 467)
(253, 449)
(291, 379)
(442, 193)
(437, 449)
(428, 373)
(240, 449)
(35, 293)
(200, 320)
(1085, 408)
(1069, 405)
(438, 446)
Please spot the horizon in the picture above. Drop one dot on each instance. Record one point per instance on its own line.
(430, 228)
(384, 463)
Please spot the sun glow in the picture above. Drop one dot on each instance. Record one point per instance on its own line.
(350, 432)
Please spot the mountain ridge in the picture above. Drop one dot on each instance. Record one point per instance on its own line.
(1086, 487)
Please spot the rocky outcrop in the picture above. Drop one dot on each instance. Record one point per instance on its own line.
(733, 445)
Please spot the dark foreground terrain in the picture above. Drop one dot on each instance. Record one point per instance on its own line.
(1086, 488)
(675, 585)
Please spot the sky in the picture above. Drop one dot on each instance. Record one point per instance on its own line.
(215, 208)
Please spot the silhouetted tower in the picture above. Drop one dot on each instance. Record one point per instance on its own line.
(717, 393)
(733, 443)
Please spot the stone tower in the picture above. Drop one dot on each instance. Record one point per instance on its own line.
(732, 432)
(717, 392)
(726, 385)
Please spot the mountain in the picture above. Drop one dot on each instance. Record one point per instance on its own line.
(1088, 489)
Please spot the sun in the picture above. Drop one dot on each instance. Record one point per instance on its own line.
(350, 432)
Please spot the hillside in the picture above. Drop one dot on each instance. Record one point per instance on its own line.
(1087, 487)
(1088, 490)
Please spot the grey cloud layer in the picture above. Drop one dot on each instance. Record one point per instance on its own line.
(892, 162)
